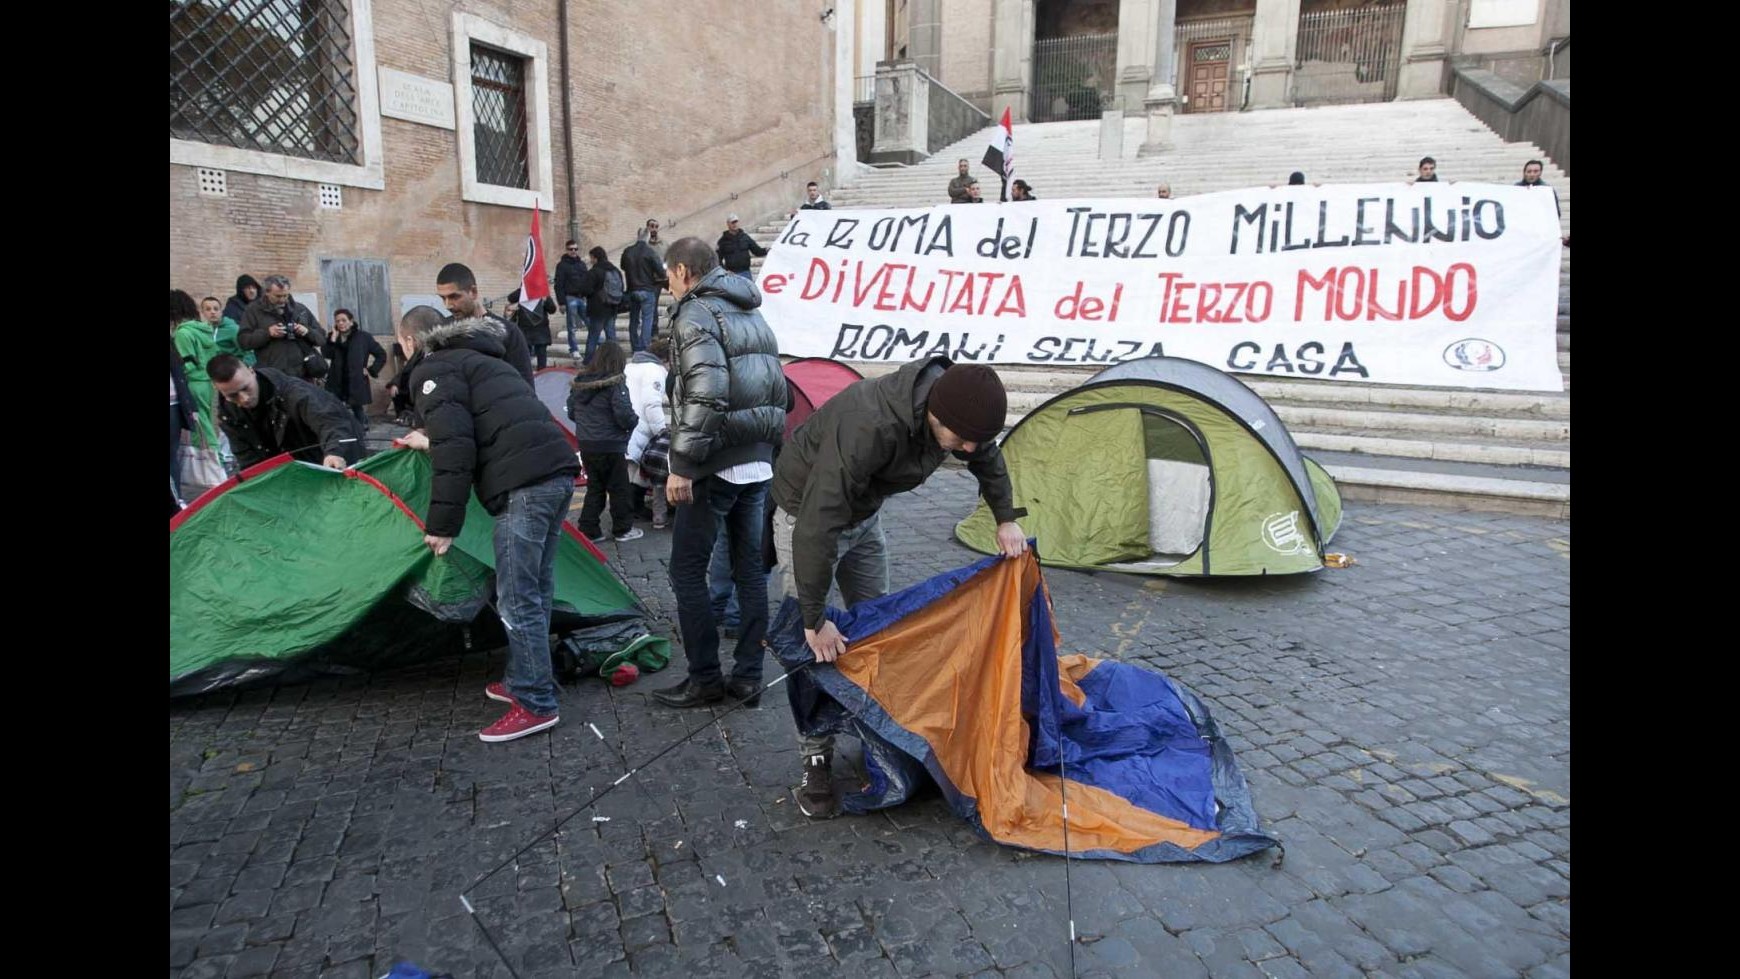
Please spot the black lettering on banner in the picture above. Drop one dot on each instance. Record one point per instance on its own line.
(1491, 227)
(1255, 218)
(870, 337)
(844, 347)
(1347, 363)
(1279, 360)
(1044, 349)
(1394, 231)
(1177, 233)
(1361, 229)
(1116, 234)
(1153, 222)
(840, 235)
(1075, 214)
(793, 236)
(880, 233)
(1245, 347)
(1309, 364)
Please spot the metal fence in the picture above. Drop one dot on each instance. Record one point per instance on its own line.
(1073, 77)
(1349, 55)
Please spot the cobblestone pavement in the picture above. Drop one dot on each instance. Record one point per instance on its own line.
(1404, 725)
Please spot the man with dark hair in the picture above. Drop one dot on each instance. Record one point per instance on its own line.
(643, 271)
(457, 288)
(420, 319)
(1532, 178)
(283, 332)
(484, 430)
(265, 411)
(958, 184)
(1428, 171)
(728, 401)
(972, 196)
(736, 248)
(1021, 191)
(878, 437)
(569, 270)
(812, 200)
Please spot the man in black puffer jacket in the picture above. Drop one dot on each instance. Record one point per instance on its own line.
(485, 427)
(728, 398)
(266, 411)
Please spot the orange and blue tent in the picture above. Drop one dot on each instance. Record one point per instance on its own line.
(958, 680)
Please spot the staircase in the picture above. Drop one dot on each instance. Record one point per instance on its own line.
(1490, 450)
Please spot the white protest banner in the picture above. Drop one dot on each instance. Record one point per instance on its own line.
(1442, 284)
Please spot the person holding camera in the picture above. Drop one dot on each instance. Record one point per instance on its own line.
(283, 333)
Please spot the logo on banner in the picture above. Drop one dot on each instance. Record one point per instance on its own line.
(1474, 355)
(1281, 533)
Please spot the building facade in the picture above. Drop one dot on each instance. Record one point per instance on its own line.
(359, 145)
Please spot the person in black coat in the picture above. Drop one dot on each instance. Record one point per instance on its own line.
(354, 356)
(736, 247)
(604, 417)
(265, 411)
(570, 271)
(486, 431)
(457, 287)
(595, 285)
(534, 322)
(247, 290)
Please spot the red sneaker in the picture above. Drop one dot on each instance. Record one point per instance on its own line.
(517, 723)
(498, 691)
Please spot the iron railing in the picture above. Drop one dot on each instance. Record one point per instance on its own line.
(268, 75)
(864, 88)
(498, 106)
(1349, 55)
(1073, 77)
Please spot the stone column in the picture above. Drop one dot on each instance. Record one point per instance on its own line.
(1136, 22)
(902, 114)
(1012, 58)
(844, 24)
(1425, 28)
(924, 38)
(1274, 50)
(1162, 96)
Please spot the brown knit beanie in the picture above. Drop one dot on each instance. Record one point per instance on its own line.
(970, 400)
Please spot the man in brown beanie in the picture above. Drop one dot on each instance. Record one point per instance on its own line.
(878, 437)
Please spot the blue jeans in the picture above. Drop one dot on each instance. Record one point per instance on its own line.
(526, 535)
(576, 316)
(600, 319)
(719, 585)
(643, 317)
(738, 510)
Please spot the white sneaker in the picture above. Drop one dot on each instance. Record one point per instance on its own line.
(634, 533)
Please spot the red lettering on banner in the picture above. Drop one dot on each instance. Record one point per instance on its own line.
(1352, 293)
(879, 286)
(1076, 306)
(1216, 302)
(772, 284)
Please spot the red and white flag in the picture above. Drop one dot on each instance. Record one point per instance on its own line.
(534, 281)
(1000, 155)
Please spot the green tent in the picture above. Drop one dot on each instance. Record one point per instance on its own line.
(1164, 466)
(291, 569)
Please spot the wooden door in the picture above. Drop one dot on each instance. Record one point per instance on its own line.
(1209, 63)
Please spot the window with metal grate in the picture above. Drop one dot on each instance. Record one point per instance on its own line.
(498, 103)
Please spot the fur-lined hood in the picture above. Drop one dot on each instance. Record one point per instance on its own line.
(457, 333)
(595, 382)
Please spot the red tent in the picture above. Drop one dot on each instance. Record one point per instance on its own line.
(813, 381)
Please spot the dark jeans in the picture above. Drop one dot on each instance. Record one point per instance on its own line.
(576, 316)
(600, 319)
(361, 413)
(643, 317)
(526, 535)
(606, 473)
(738, 510)
(175, 449)
(540, 355)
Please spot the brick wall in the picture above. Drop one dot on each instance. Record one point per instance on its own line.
(666, 119)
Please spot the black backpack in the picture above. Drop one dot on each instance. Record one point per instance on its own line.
(613, 286)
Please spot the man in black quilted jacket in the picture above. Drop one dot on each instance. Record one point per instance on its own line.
(484, 427)
(728, 400)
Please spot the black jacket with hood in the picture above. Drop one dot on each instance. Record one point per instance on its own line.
(643, 269)
(238, 303)
(864, 445)
(354, 358)
(485, 426)
(292, 415)
(602, 412)
(728, 391)
(534, 322)
(569, 270)
(281, 353)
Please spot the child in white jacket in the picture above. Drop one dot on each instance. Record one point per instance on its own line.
(646, 375)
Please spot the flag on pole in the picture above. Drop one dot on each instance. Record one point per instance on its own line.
(534, 281)
(1000, 155)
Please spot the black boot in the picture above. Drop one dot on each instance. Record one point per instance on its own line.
(737, 689)
(816, 796)
(690, 694)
